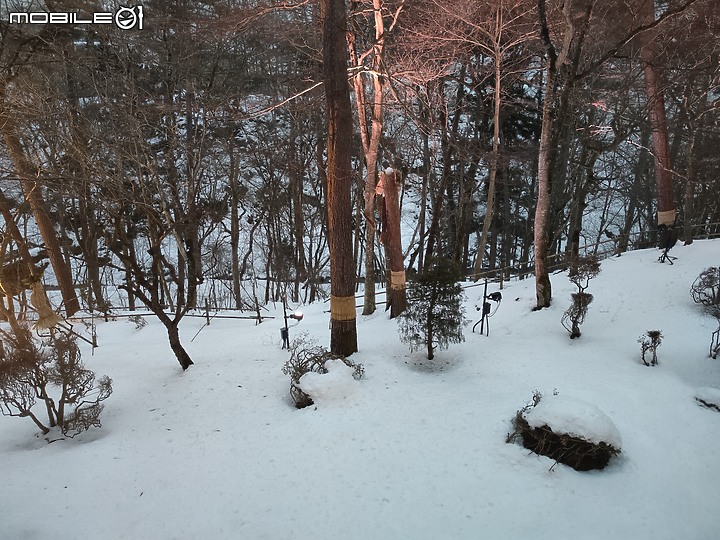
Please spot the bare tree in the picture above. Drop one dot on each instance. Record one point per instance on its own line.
(497, 30)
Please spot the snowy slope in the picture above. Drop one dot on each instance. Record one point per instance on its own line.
(417, 451)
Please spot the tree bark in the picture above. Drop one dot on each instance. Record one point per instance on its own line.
(658, 125)
(370, 136)
(180, 353)
(543, 287)
(393, 243)
(343, 331)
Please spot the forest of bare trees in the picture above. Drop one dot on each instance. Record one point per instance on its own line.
(228, 153)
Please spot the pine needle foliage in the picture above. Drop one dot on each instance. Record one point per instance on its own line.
(435, 315)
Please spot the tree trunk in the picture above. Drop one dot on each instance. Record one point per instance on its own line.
(174, 337)
(343, 331)
(235, 236)
(543, 287)
(393, 243)
(448, 144)
(658, 125)
(689, 209)
(490, 204)
(28, 178)
(370, 134)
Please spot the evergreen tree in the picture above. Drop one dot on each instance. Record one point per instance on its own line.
(435, 315)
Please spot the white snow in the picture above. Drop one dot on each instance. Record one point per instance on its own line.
(326, 388)
(709, 396)
(575, 417)
(415, 449)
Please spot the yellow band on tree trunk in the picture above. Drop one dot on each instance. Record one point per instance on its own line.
(667, 217)
(47, 318)
(342, 308)
(397, 280)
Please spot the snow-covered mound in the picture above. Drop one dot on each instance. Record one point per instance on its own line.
(574, 417)
(335, 385)
(708, 397)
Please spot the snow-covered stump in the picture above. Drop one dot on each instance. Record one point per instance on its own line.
(568, 430)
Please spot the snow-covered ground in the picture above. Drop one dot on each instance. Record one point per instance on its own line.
(415, 451)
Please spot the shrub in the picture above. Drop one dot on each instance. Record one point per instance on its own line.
(568, 448)
(50, 371)
(435, 315)
(649, 342)
(138, 320)
(307, 356)
(582, 270)
(705, 291)
(575, 315)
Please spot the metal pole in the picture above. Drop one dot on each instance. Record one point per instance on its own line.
(286, 330)
(484, 300)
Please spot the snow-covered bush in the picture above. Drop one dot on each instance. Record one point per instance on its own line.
(649, 342)
(705, 291)
(138, 320)
(568, 430)
(306, 356)
(709, 398)
(435, 315)
(337, 383)
(51, 371)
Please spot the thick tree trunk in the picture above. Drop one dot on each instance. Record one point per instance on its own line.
(343, 331)
(658, 125)
(180, 353)
(393, 243)
(543, 288)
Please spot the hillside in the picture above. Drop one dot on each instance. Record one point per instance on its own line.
(414, 450)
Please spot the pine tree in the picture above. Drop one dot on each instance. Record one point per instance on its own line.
(435, 315)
